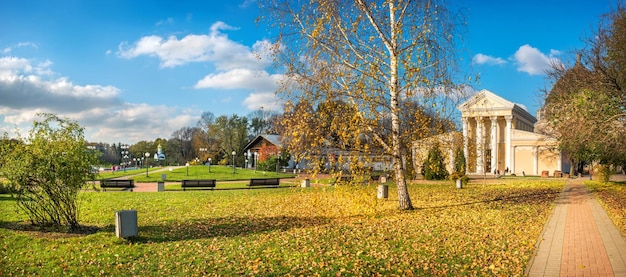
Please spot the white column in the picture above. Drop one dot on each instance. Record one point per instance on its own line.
(536, 167)
(479, 145)
(494, 142)
(465, 142)
(507, 147)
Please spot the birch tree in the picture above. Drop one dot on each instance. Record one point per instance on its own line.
(370, 55)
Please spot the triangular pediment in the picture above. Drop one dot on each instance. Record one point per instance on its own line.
(485, 100)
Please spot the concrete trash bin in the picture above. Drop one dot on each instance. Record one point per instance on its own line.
(126, 223)
(383, 191)
(305, 183)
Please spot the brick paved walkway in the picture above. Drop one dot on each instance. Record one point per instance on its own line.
(579, 239)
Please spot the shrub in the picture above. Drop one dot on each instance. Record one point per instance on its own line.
(47, 173)
(460, 165)
(434, 166)
(604, 172)
(269, 164)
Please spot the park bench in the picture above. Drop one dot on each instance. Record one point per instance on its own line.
(264, 182)
(198, 184)
(112, 183)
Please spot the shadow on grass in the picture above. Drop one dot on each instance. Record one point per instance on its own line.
(524, 197)
(180, 230)
(619, 183)
(222, 227)
(49, 231)
(6, 197)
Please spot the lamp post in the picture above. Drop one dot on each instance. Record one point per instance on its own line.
(124, 155)
(124, 159)
(187, 165)
(277, 161)
(209, 159)
(147, 162)
(234, 153)
(203, 150)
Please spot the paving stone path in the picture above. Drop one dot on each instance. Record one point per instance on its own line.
(579, 239)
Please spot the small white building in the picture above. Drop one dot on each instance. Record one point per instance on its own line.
(499, 136)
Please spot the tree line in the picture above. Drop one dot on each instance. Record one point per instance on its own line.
(212, 137)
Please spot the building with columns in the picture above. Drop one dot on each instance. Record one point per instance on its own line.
(499, 136)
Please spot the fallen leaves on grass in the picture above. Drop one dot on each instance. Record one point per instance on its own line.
(345, 230)
(612, 195)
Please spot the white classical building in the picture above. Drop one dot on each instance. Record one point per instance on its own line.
(499, 136)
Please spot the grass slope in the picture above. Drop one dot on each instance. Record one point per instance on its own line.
(479, 230)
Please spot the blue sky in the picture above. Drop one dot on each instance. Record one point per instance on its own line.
(138, 70)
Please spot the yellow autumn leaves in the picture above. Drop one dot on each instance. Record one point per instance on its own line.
(343, 230)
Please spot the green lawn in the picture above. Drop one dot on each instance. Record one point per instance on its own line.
(194, 172)
(122, 173)
(479, 230)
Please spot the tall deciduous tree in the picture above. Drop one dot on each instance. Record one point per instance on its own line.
(369, 55)
(48, 170)
(183, 138)
(233, 134)
(585, 109)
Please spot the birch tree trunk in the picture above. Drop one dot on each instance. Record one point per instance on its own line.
(364, 78)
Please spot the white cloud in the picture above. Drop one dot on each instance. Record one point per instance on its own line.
(131, 122)
(532, 61)
(265, 100)
(486, 59)
(215, 47)
(28, 88)
(237, 66)
(25, 86)
(241, 78)
(8, 49)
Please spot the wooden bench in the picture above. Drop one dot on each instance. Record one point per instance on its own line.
(111, 183)
(264, 182)
(198, 184)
